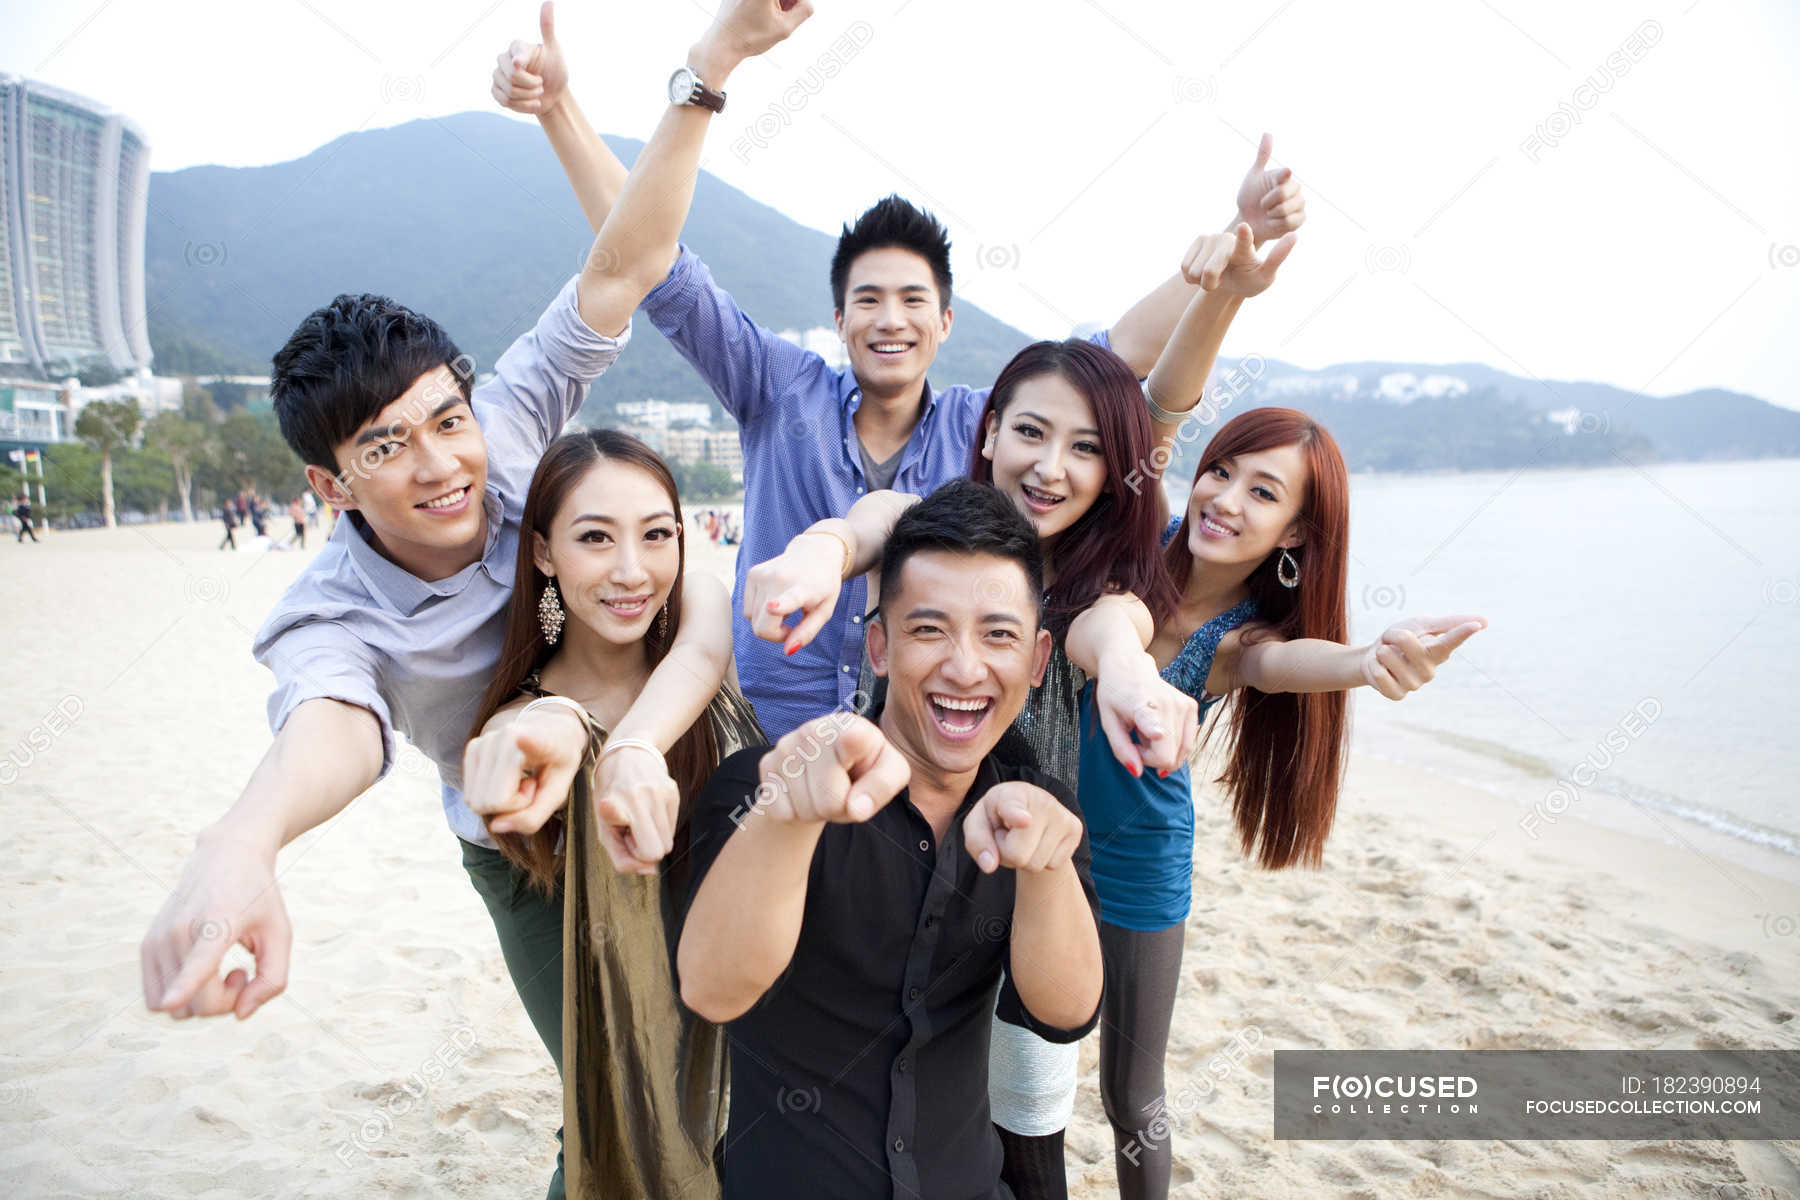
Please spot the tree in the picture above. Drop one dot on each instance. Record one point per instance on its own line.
(186, 443)
(108, 426)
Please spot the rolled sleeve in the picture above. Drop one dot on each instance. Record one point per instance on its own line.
(324, 661)
(745, 365)
(545, 373)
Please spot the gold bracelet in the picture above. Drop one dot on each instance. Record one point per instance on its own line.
(842, 541)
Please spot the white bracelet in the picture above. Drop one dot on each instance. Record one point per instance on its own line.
(1161, 415)
(631, 744)
(581, 714)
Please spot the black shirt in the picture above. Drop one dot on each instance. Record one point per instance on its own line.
(863, 1071)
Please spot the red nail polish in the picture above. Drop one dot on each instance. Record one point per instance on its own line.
(791, 650)
(1134, 769)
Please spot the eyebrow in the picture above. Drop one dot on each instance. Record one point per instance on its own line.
(603, 519)
(1039, 417)
(383, 432)
(938, 614)
(861, 288)
(1269, 475)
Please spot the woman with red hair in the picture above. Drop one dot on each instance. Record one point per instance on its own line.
(1259, 557)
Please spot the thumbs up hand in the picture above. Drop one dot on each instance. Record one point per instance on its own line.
(533, 79)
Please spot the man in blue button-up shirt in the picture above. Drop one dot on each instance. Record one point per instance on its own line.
(816, 437)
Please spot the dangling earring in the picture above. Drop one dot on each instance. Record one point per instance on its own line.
(662, 624)
(1287, 570)
(550, 613)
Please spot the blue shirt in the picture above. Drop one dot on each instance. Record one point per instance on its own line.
(1142, 830)
(356, 627)
(801, 464)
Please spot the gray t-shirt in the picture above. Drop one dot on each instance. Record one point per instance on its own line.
(880, 475)
(356, 627)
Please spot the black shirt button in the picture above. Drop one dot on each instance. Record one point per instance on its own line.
(902, 1066)
(899, 1145)
(924, 845)
(931, 922)
(912, 993)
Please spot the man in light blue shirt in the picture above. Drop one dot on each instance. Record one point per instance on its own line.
(397, 625)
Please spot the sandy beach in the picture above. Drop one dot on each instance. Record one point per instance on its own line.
(399, 1061)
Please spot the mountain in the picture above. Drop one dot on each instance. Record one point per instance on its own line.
(1398, 416)
(468, 219)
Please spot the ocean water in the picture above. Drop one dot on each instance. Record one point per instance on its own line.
(1643, 642)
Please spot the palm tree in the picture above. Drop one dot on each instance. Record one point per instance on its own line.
(108, 425)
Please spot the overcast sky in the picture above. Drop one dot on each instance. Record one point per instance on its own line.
(1598, 191)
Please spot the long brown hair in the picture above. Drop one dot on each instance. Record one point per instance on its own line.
(1112, 547)
(565, 464)
(1286, 750)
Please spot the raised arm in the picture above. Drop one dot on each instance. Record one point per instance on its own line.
(808, 576)
(327, 754)
(640, 238)
(535, 80)
(1404, 659)
(1270, 201)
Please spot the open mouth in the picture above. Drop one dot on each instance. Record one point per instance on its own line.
(890, 349)
(1038, 500)
(959, 718)
(627, 607)
(449, 502)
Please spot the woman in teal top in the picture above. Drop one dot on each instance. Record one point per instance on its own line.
(1259, 556)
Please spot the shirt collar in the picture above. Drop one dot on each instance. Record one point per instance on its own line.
(401, 590)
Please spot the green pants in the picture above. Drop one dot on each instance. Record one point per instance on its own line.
(529, 925)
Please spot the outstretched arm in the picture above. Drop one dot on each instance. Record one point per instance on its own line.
(327, 754)
(1402, 660)
(1108, 642)
(808, 575)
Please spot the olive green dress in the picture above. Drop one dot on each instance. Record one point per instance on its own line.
(643, 1078)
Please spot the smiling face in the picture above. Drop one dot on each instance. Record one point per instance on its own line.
(614, 549)
(893, 320)
(959, 644)
(1046, 454)
(1242, 509)
(416, 472)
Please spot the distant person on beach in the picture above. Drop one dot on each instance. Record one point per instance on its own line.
(297, 514)
(22, 513)
(815, 437)
(595, 608)
(228, 513)
(869, 897)
(397, 625)
(311, 506)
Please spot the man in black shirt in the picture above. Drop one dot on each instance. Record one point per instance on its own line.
(860, 890)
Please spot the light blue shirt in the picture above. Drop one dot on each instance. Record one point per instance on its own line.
(356, 627)
(802, 463)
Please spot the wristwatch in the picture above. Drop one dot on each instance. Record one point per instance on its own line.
(685, 88)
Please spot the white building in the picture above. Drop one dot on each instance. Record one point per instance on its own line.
(660, 414)
(822, 341)
(74, 178)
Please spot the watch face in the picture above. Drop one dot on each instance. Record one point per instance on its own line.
(681, 86)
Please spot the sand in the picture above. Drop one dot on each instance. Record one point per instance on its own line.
(400, 1061)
